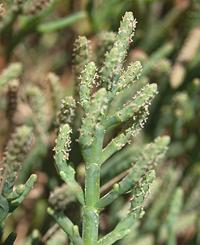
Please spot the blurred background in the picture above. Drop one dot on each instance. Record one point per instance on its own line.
(39, 37)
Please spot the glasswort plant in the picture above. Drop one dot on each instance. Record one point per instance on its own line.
(95, 93)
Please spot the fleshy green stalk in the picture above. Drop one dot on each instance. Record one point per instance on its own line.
(66, 172)
(67, 226)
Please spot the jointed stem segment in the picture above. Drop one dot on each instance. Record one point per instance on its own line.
(90, 212)
(92, 189)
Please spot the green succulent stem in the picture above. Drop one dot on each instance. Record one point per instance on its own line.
(120, 231)
(67, 226)
(61, 23)
(92, 189)
(27, 188)
(90, 212)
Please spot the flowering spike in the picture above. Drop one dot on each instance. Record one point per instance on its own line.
(93, 117)
(66, 112)
(140, 191)
(12, 99)
(16, 150)
(55, 90)
(114, 59)
(36, 100)
(87, 79)
(105, 41)
(62, 146)
(81, 59)
(128, 77)
(140, 101)
(67, 173)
